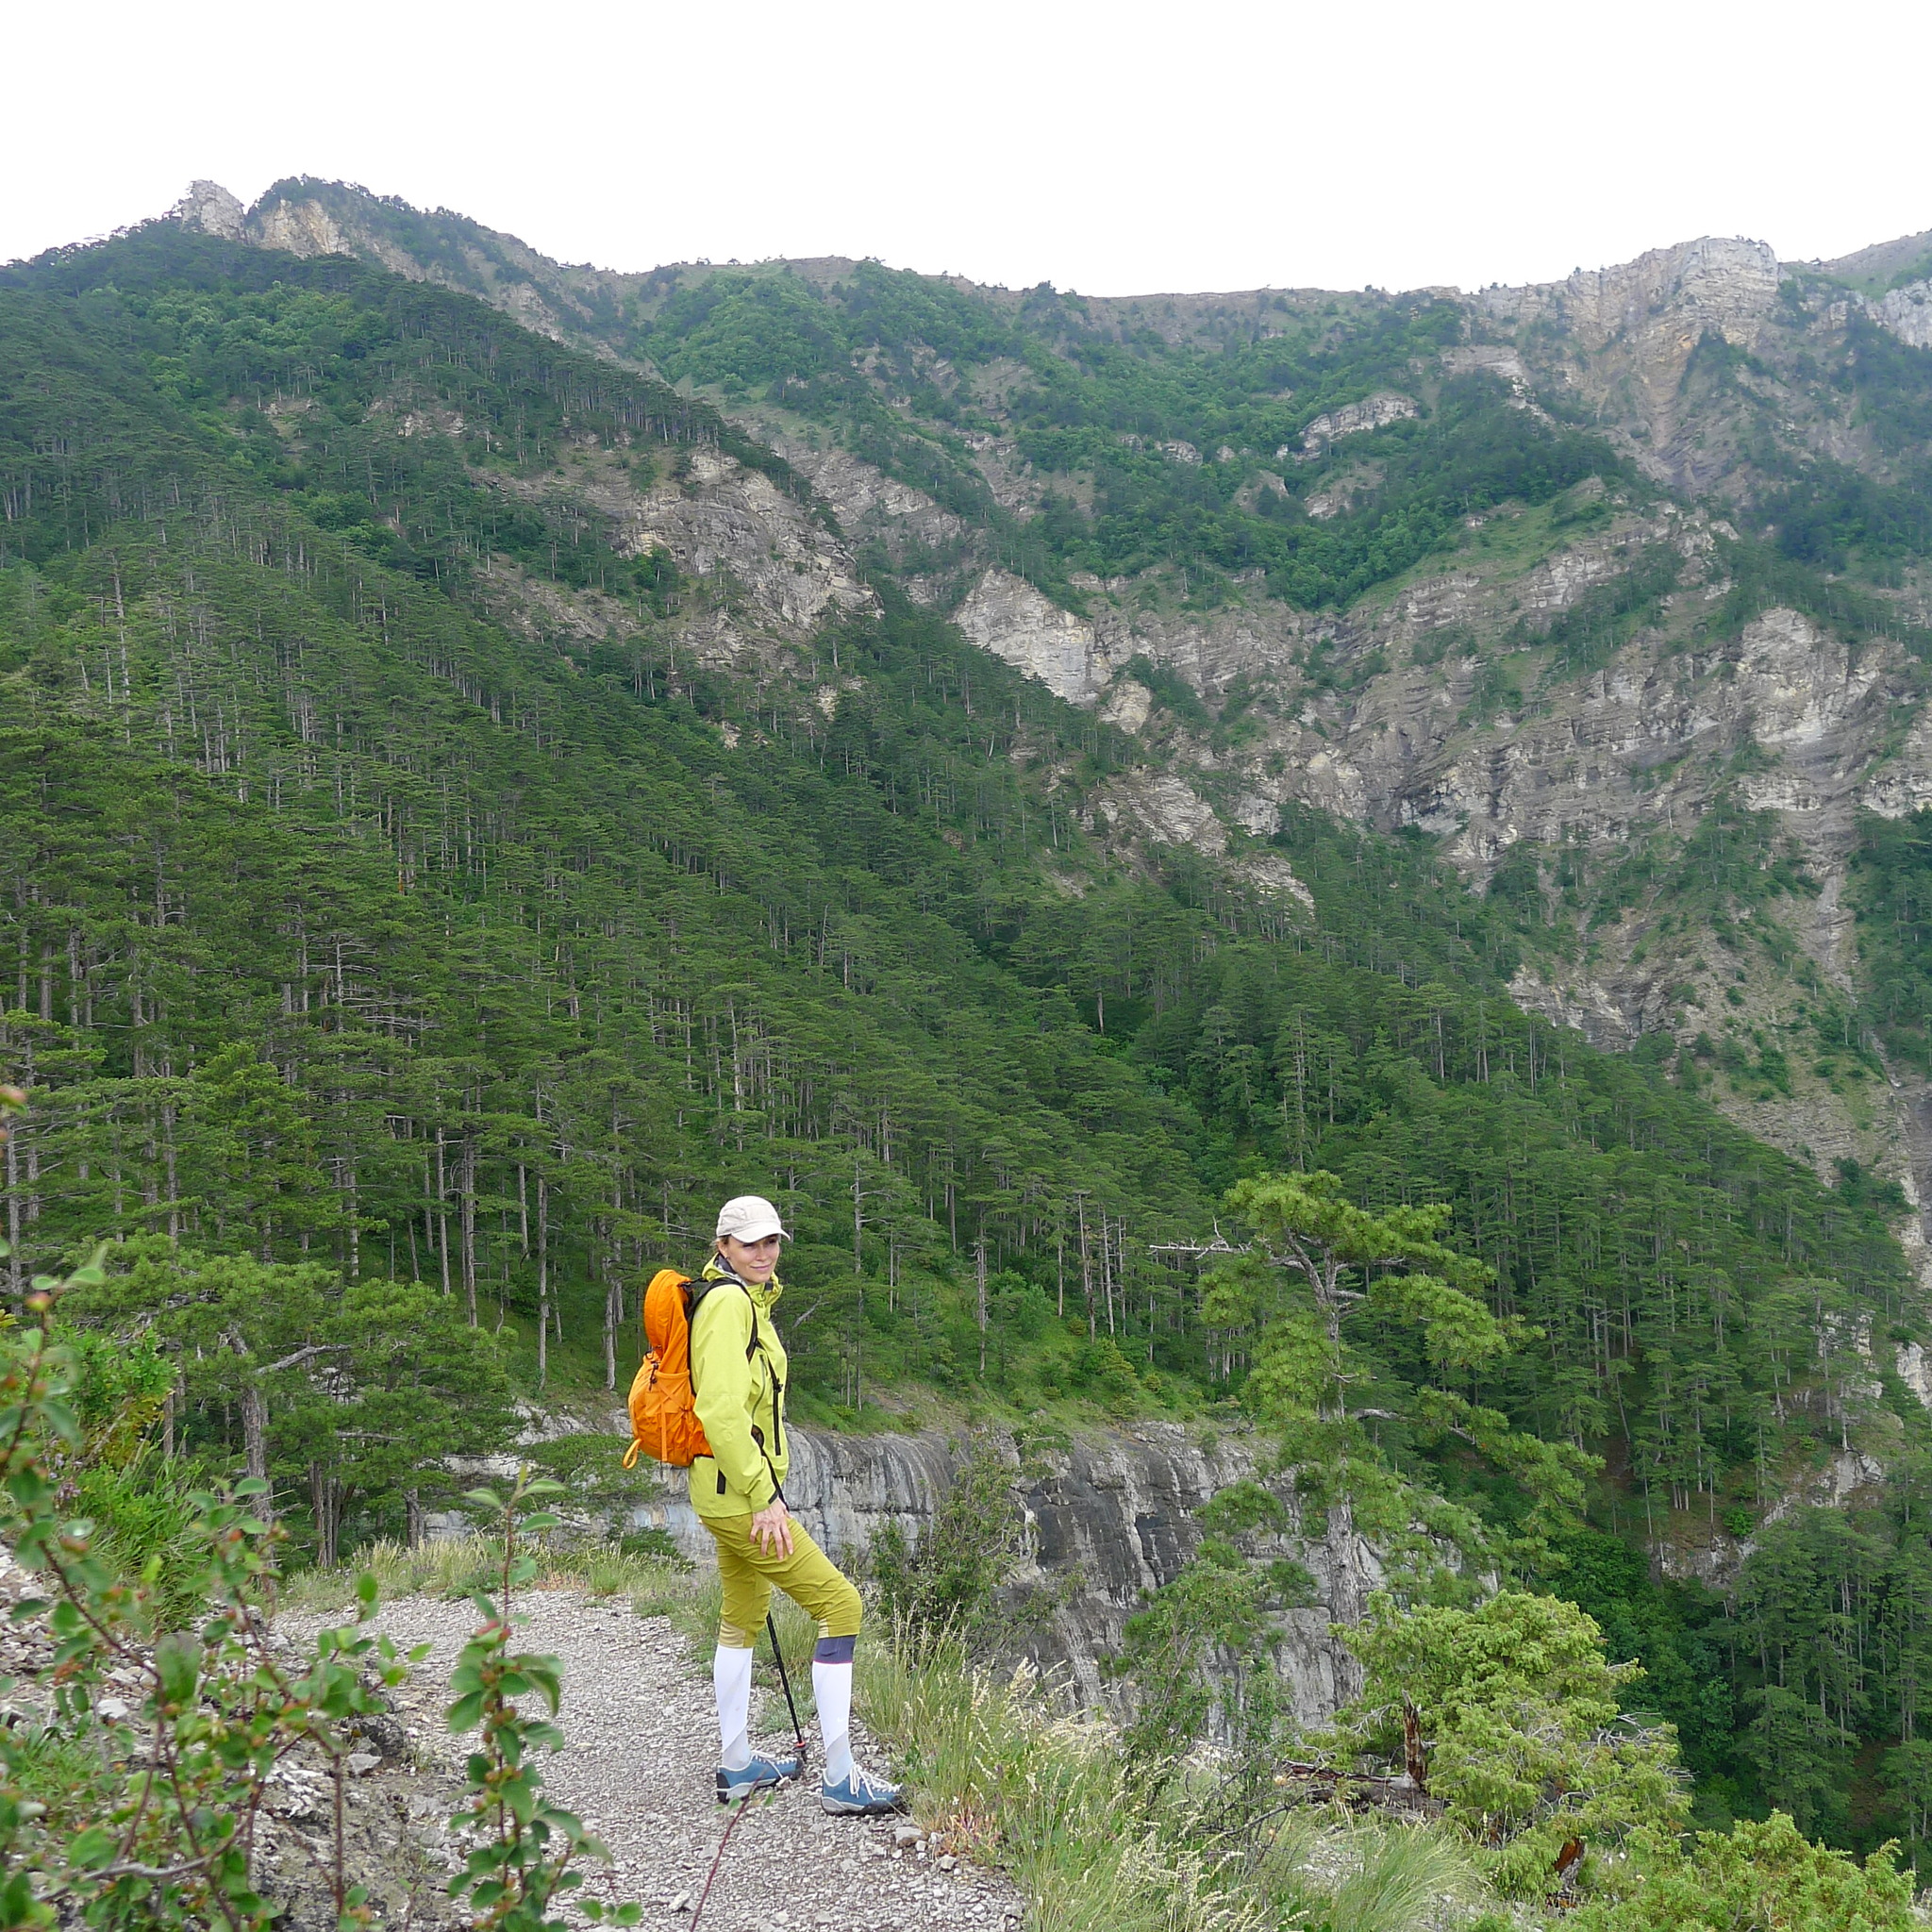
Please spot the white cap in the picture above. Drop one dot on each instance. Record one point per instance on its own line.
(749, 1218)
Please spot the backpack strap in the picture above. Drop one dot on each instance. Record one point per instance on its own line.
(698, 1287)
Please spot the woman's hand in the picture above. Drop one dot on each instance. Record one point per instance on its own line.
(770, 1529)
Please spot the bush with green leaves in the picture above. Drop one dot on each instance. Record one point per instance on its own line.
(949, 1580)
(1759, 1876)
(163, 1785)
(1200, 1653)
(1525, 1736)
(526, 1853)
(140, 1503)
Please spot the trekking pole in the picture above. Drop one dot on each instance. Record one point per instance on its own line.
(778, 1656)
(771, 1625)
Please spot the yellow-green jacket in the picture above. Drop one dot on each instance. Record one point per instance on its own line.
(739, 1391)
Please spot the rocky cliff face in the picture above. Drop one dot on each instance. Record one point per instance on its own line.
(1006, 615)
(763, 575)
(1907, 312)
(1107, 1518)
(1783, 718)
(1786, 719)
(310, 218)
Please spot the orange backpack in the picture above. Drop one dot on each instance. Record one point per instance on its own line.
(663, 1411)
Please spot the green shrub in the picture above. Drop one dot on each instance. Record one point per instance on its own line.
(652, 1545)
(949, 1579)
(1756, 1877)
(142, 1512)
(1101, 1370)
(1522, 1727)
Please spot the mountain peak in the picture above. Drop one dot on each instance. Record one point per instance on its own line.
(208, 207)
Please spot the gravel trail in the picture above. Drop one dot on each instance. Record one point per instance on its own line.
(637, 1769)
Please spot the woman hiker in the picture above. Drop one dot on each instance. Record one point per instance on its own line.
(738, 1372)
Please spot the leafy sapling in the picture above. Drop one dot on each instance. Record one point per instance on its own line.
(525, 1851)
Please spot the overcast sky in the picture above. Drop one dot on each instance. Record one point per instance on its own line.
(1110, 148)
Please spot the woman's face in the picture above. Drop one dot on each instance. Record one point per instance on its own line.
(751, 1260)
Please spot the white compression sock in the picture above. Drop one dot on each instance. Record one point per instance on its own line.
(831, 1685)
(731, 1680)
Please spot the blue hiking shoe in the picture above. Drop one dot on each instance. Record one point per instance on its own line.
(760, 1774)
(860, 1795)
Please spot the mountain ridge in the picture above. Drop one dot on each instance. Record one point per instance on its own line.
(211, 206)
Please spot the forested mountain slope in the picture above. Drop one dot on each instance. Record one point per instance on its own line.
(468, 804)
(1558, 574)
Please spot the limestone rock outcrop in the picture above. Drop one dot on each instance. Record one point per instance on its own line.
(1160, 808)
(1006, 615)
(1907, 312)
(1355, 418)
(1666, 298)
(208, 207)
(1620, 341)
(1107, 1518)
(722, 520)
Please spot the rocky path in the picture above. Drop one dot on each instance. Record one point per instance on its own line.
(638, 1766)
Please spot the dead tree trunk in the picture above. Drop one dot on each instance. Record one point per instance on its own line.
(468, 1183)
(543, 1281)
(979, 1297)
(326, 1498)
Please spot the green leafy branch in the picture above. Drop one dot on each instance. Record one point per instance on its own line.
(525, 1848)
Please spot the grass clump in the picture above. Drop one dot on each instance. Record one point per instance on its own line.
(649, 1569)
(1007, 1769)
(1003, 1770)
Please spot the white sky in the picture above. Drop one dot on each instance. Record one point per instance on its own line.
(1114, 148)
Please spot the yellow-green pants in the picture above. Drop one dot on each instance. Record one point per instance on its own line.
(748, 1573)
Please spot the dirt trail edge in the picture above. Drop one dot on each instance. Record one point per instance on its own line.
(637, 1769)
